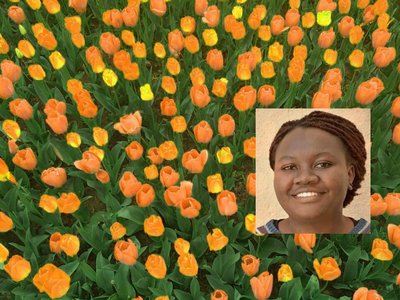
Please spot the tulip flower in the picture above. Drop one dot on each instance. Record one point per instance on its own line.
(285, 273)
(155, 265)
(18, 268)
(181, 246)
(306, 241)
(378, 205)
(69, 244)
(363, 293)
(262, 285)
(126, 252)
(3, 253)
(188, 265)
(250, 265)
(153, 226)
(117, 231)
(48, 203)
(6, 223)
(68, 203)
(216, 240)
(52, 280)
(328, 269)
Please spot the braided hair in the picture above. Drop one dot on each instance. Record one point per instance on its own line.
(348, 133)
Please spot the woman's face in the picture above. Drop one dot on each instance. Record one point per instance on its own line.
(312, 174)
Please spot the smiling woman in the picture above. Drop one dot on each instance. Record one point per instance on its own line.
(318, 165)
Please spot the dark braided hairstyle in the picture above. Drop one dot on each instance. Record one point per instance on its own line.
(348, 133)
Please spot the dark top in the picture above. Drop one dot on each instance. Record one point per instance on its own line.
(360, 226)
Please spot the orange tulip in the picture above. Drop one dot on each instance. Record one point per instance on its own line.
(11, 129)
(158, 7)
(326, 5)
(78, 5)
(94, 58)
(55, 177)
(380, 250)
(215, 59)
(295, 35)
(264, 33)
(134, 150)
(219, 295)
(89, 163)
(168, 150)
(249, 146)
(52, 6)
(68, 203)
(254, 20)
(266, 95)
(4, 47)
(292, 17)
(181, 246)
(238, 30)
(226, 125)
(383, 21)
(216, 240)
(131, 71)
(113, 17)
(277, 24)
(189, 207)
(380, 37)
(57, 122)
(393, 203)
(308, 20)
(219, 88)
(12, 146)
(199, 95)
(356, 58)
(129, 185)
(126, 252)
(211, 16)
(363, 293)
(6, 87)
(155, 265)
(368, 90)
(55, 242)
(127, 36)
(394, 234)
(25, 159)
(6, 224)
(69, 244)
(48, 203)
(10, 70)
(175, 41)
(139, 50)
(47, 40)
(328, 269)
(151, 172)
(153, 226)
(326, 38)
(262, 285)
(267, 70)
(245, 98)
(306, 241)
(129, 124)
(120, 59)
(168, 84)
(395, 109)
(73, 24)
(174, 195)
(187, 264)
(332, 88)
(200, 7)
(378, 205)
(251, 184)
(16, 14)
(117, 231)
(102, 176)
(197, 76)
(173, 66)
(188, 24)
(52, 280)
(250, 265)
(203, 132)
(194, 161)
(168, 176)
(191, 44)
(321, 100)
(344, 6)
(18, 268)
(109, 43)
(227, 205)
(21, 108)
(145, 195)
(356, 34)
(215, 184)
(154, 155)
(345, 25)
(384, 56)
(396, 134)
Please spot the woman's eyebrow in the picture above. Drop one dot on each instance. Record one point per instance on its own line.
(289, 157)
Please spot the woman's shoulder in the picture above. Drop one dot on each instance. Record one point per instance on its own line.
(361, 226)
(270, 227)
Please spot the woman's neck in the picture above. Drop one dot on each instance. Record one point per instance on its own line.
(338, 225)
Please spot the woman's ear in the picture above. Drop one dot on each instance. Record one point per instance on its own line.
(351, 172)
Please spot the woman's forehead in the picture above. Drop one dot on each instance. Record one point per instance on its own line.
(310, 141)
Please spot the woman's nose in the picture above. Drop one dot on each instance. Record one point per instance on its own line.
(305, 176)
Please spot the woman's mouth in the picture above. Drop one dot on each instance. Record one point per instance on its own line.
(307, 196)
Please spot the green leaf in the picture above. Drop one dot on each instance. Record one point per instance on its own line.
(133, 213)
(71, 267)
(351, 267)
(291, 290)
(124, 288)
(312, 288)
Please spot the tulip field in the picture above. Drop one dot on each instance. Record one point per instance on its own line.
(128, 146)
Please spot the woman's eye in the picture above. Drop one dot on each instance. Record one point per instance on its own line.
(289, 167)
(323, 165)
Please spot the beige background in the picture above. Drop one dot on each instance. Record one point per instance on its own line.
(268, 122)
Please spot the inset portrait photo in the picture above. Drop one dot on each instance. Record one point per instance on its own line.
(313, 171)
